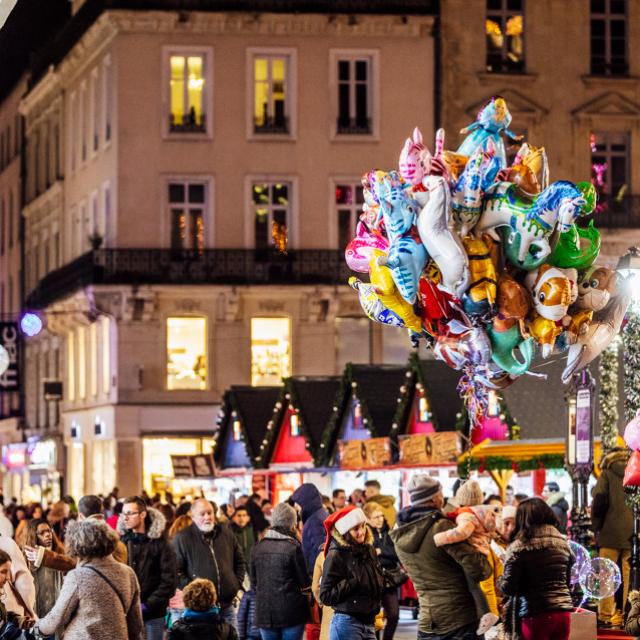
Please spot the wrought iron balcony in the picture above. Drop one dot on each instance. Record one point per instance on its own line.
(354, 126)
(211, 266)
(616, 213)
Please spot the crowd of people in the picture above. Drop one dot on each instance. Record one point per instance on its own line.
(315, 567)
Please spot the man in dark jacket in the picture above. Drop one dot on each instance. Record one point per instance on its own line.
(207, 549)
(152, 558)
(556, 500)
(613, 524)
(308, 498)
(447, 608)
(243, 531)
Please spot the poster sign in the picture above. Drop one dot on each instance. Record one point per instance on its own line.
(203, 466)
(364, 454)
(430, 448)
(583, 427)
(182, 467)
(10, 341)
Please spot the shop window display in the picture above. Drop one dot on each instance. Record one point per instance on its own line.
(270, 350)
(186, 354)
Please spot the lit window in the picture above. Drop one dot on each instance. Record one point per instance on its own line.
(504, 29)
(93, 354)
(271, 205)
(71, 367)
(187, 92)
(610, 164)
(609, 37)
(186, 353)
(355, 94)
(294, 423)
(270, 350)
(106, 354)
(82, 363)
(424, 412)
(187, 206)
(348, 202)
(270, 94)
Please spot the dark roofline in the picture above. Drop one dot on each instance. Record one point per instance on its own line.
(92, 9)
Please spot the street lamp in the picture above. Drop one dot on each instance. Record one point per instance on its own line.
(629, 268)
(579, 462)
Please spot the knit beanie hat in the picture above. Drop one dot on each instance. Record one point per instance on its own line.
(469, 494)
(284, 516)
(422, 488)
(343, 521)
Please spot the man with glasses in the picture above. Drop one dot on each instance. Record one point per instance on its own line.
(208, 549)
(152, 559)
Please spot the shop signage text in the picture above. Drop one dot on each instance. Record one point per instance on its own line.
(10, 340)
(197, 466)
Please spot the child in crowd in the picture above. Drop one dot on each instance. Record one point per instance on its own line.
(474, 524)
(247, 629)
(11, 624)
(201, 618)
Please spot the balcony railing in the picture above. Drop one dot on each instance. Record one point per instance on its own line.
(211, 266)
(354, 126)
(616, 213)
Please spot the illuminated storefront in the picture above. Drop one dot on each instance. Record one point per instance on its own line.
(270, 350)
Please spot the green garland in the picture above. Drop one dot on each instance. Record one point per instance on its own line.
(608, 398)
(501, 463)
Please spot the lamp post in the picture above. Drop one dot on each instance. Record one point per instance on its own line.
(629, 267)
(579, 459)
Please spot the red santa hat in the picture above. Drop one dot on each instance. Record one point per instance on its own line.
(343, 521)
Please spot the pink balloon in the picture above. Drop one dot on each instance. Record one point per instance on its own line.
(358, 251)
(632, 433)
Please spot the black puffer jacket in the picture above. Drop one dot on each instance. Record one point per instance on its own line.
(215, 556)
(278, 575)
(151, 557)
(537, 571)
(352, 578)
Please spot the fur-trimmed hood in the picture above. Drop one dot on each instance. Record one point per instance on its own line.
(342, 541)
(545, 537)
(634, 597)
(156, 527)
(616, 461)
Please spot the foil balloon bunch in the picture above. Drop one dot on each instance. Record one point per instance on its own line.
(483, 260)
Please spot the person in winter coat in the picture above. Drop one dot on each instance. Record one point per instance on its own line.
(632, 626)
(10, 623)
(243, 531)
(556, 500)
(372, 493)
(48, 581)
(389, 562)
(439, 574)
(536, 576)
(150, 555)
(201, 618)
(612, 522)
(308, 498)
(247, 629)
(352, 577)
(100, 598)
(279, 576)
(209, 550)
(327, 612)
(21, 579)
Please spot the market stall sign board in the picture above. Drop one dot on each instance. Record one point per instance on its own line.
(182, 466)
(364, 454)
(443, 447)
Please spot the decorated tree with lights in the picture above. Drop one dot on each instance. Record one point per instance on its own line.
(608, 397)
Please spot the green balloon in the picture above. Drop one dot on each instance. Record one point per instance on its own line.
(578, 248)
(511, 242)
(589, 193)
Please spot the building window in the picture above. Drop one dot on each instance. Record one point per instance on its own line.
(84, 119)
(610, 164)
(505, 30)
(187, 92)
(107, 97)
(105, 212)
(186, 353)
(105, 326)
(93, 97)
(272, 91)
(187, 203)
(73, 119)
(270, 350)
(271, 206)
(71, 367)
(609, 38)
(348, 199)
(355, 97)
